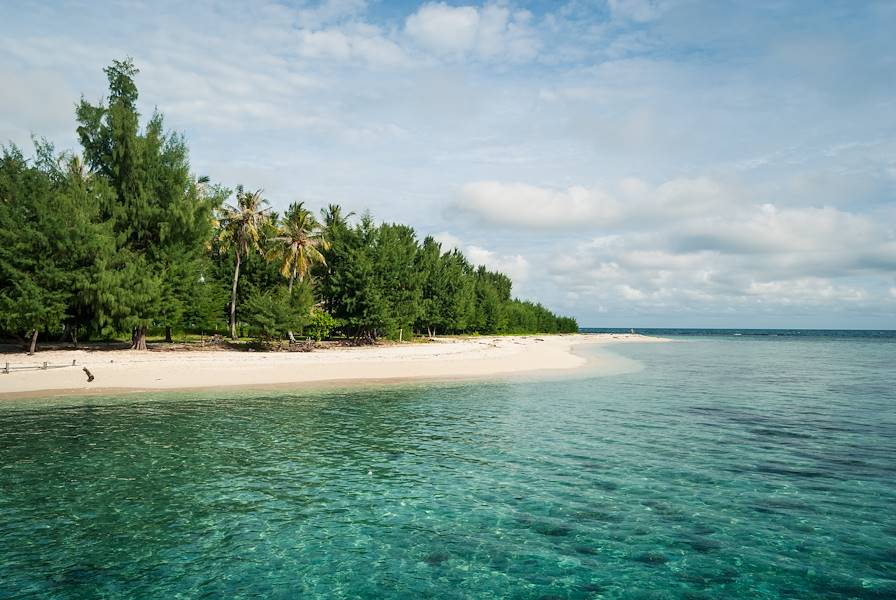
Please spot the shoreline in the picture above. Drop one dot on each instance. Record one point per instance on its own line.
(446, 359)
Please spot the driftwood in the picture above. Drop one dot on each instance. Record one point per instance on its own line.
(89, 375)
(306, 346)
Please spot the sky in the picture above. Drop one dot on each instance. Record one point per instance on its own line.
(633, 163)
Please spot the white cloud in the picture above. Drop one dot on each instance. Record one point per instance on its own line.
(362, 43)
(514, 265)
(448, 241)
(491, 32)
(523, 205)
(21, 115)
(444, 29)
(601, 157)
(754, 260)
(805, 290)
(576, 207)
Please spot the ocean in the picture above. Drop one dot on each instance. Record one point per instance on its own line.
(724, 464)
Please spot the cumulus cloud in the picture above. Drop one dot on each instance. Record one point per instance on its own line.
(692, 244)
(514, 265)
(587, 146)
(757, 259)
(516, 204)
(493, 31)
(359, 43)
(523, 205)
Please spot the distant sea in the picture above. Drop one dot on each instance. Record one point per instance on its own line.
(725, 464)
(801, 333)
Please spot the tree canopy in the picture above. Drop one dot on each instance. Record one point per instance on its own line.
(122, 238)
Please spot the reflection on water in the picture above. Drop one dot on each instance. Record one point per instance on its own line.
(756, 468)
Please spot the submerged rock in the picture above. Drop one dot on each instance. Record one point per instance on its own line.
(651, 558)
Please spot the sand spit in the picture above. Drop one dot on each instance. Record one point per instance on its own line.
(445, 358)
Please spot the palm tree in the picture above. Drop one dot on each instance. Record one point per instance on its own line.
(333, 222)
(240, 228)
(333, 218)
(297, 247)
(74, 165)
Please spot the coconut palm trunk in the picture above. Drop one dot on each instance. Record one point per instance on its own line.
(297, 246)
(240, 229)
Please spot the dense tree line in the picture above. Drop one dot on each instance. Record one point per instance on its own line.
(123, 238)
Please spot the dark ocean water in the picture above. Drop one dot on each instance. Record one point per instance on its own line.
(751, 466)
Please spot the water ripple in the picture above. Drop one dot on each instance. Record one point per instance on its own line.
(720, 470)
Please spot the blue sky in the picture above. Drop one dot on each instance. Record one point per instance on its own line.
(632, 162)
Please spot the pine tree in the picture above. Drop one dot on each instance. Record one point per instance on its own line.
(161, 220)
(52, 245)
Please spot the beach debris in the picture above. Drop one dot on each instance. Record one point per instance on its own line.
(89, 375)
(305, 346)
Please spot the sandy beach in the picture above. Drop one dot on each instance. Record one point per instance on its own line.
(443, 359)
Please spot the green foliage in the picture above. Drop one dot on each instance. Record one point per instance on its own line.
(320, 325)
(127, 238)
(395, 252)
(52, 244)
(296, 243)
(160, 215)
(272, 314)
(242, 228)
(207, 297)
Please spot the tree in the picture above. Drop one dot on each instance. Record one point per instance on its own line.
(124, 237)
(240, 229)
(298, 244)
(456, 297)
(334, 230)
(52, 244)
(320, 324)
(428, 265)
(160, 217)
(399, 282)
(272, 313)
(354, 294)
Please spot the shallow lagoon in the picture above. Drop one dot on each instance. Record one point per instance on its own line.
(726, 467)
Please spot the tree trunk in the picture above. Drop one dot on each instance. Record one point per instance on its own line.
(70, 332)
(168, 333)
(236, 276)
(139, 342)
(33, 342)
(292, 278)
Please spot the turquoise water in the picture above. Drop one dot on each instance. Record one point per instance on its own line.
(727, 467)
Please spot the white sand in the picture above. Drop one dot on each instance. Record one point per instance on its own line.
(447, 358)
